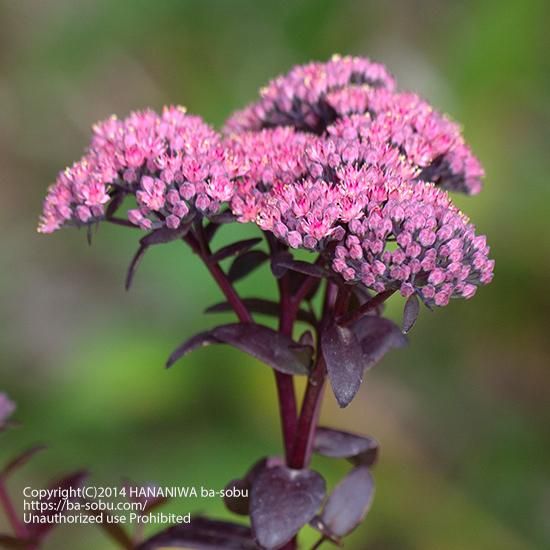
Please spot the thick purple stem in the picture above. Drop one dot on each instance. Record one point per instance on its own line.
(285, 382)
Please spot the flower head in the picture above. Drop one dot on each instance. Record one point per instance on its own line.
(415, 242)
(172, 163)
(430, 140)
(298, 98)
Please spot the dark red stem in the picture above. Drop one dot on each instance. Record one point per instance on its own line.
(285, 382)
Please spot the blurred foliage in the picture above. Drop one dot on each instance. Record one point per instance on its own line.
(462, 415)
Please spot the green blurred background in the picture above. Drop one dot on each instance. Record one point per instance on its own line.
(462, 415)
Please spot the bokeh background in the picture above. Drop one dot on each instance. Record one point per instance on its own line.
(462, 415)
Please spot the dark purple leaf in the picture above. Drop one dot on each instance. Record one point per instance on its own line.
(203, 534)
(158, 236)
(164, 235)
(377, 336)
(264, 307)
(201, 339)
(349, 503)
(246, 263)
(216, 221)
(236, 496)
(241, 504)
(21, 460)
(74, 480)
(234, 249)
(362, 294)
(270, 347)
(341, 444)
(277, 259)
(282, 262)
(136, 260)
(344, 360)
(7, 541)
(282, 501)
(115, 202)
(410, 313)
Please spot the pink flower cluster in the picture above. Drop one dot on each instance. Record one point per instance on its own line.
(173, 163)
(305, 188)
(298, 99)
(331, 158)
(428, 139)
(312, 97)
(416, 241)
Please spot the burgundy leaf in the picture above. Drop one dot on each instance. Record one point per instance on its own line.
(216, 221)
(201, 339)
(410, 313)
(241, 505)
(344, 360)
(234, 249)
(270, 347)
(277, 260)
(349, 503)
(282, 262)
(267, 345)
(341, 444)
(203, 534)
(74, 480)
(158, 236)
(164, 235)
(21, 460)
(264, 307)
(246, 263)
(134, 263)
(115, 202)
(235, 502)
(282, 501)
(377, 336)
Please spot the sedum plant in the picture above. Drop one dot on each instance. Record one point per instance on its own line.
(331, 159)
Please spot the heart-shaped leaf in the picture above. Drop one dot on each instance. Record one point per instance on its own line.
(410, 313)
(272, 348)
(203, 534)
(341, 444)
(246, 263)
(349, 503)
(234, 249)
(377, 336)
(21, 460)
(40, 530)
(344, 360)
(263, 307)
(236, 496)
(241, 504)
(282, 501)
